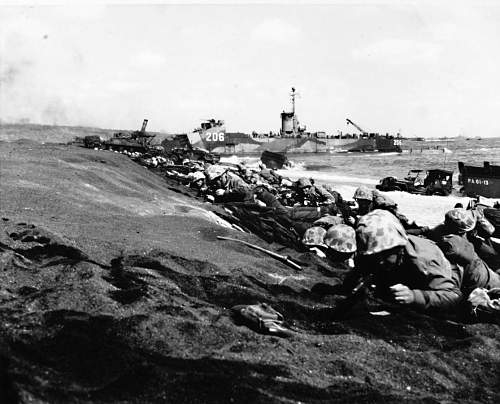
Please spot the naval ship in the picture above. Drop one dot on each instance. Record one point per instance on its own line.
(291, 138)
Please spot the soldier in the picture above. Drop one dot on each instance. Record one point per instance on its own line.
(228, 187)
(364, 198)
(406, 269)
(369, 200)
(481, 239)
(269, 175)
(313, 238)
(474, 272)
(197, 181)
(340, 241)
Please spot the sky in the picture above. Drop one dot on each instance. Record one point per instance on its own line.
(418, 68)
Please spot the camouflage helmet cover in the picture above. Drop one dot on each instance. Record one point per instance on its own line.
(197, 176)
(341, 238)
(460, 220)
(314, 236)
(214, 171)
(379, 231)
(363, 193)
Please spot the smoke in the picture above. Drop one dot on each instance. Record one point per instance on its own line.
(8, 75)
(38, 66)
(55, 113)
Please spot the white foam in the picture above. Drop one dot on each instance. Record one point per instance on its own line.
(323, 177)
(250, 162)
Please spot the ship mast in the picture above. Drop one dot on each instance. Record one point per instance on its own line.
(289, 123)
(294, 118)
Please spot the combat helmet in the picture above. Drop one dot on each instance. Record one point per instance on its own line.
(341, 238)
(214, 171)
(197, 176)
(313, 237)
(363, 193)
(460, 220)
(379, 231)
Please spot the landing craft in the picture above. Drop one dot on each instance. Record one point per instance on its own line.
(292, 137)
(370, 142)
(483, 181)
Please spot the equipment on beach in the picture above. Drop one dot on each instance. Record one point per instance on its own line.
(287, 260)
(136, 141)
(431, 182)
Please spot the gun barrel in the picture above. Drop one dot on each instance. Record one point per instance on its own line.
(277, 256)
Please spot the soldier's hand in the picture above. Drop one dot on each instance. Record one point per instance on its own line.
(402, 294)
(351, 221)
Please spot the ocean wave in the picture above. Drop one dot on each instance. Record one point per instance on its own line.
(323, 177)
(250, 162)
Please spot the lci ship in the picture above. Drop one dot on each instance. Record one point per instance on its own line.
(292, 138)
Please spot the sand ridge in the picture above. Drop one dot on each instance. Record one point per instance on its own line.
(100, 304)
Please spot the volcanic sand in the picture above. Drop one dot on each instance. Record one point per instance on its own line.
(113, 287)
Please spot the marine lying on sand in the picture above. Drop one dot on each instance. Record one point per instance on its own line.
(428, 269)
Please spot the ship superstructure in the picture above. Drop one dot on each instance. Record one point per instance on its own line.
(291, 138)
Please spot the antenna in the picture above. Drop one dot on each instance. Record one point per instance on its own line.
(293, 94)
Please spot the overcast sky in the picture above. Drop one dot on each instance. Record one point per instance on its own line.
(425, 69)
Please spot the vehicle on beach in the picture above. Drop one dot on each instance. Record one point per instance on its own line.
(136, 141)
(431, 182)
(92, 141)
(480, 181)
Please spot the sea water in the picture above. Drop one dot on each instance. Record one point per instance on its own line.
(346, 171)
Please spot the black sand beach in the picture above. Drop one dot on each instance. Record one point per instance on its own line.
(114, 288)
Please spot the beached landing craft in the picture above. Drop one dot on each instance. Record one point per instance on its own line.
(291, 138)
(483, 181)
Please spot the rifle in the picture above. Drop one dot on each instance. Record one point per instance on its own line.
(286, 260)
(355, 295)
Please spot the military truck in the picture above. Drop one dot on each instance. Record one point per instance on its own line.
(431, 182)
